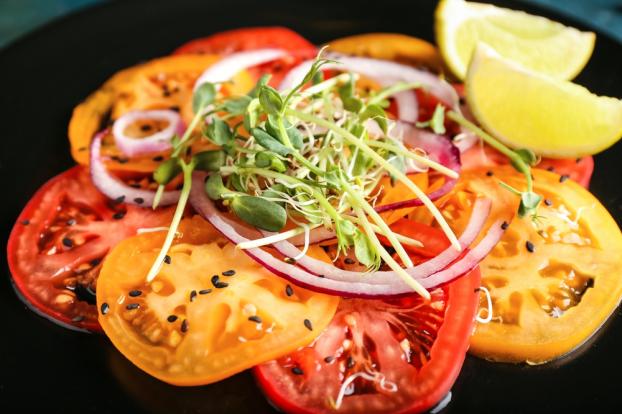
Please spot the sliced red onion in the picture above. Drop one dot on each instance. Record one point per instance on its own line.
(231, 65)
(470, 259)
(384, 72)
(117, 189)
(439, 148)
(315, 266)
(365, 284)
(407, 106)
(156, 142)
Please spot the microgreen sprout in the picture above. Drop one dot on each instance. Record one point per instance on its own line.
(306, 156)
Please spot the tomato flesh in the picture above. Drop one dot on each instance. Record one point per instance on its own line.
(59, 240)
(417, 347)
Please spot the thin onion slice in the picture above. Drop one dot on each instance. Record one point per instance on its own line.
(365, 285)
(231, 65)
(384, 72)
(439, 148)
(116, 189)
(156, 142)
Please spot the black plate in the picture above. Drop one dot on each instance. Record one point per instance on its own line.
(45, 74)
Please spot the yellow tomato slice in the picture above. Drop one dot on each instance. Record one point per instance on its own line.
(162, 83)
(211, 311)
(552, 285)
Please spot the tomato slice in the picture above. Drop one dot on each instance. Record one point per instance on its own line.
(59, 240)
(211, 311)
(402, 356)
(579, 169)
(434, 240)
(554, 284)
(248, 38)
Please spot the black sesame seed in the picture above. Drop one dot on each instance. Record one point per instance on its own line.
(184, 325)
(530, 247)
(505, 225)
(119, 199)
(145, 127)
(297, 371)
(158, 158)
(254, 318)
(67, 242)
(71, 222)
(167, 259)
(489, 173)
(95, 262)
(550, 169)
(308, 324)
(350, 363)
(329, 359)
(78, 318)
(82, 149)
(139, 200)
(26, 222)
(135, 185)
(230, 272)
(563, 178)
(215, 279)
(105, 308)
(193, 295)
(322, 276)
(134, 293)
(118, 215)
(171, 318)
(476, 290)
(289, 260)
(122, 160)
(349, 261)
(288, 290)
(179, 186)
(204, 291)
(132, 306)
(548, 202)
(217, 283)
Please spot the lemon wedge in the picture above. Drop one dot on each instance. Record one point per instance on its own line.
(526, 109)
(536, 42)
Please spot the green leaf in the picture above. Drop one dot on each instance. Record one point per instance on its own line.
(209, 160)
(378, 114)
(237, 106)
(218, 132)
(275, 191)
(529, 202)
(528, 156)
(269, 142)
(252, 114)
(437, 123)
(166, 171)
(270, 100)
(398, 162)
(214, 187)
(235, 181)
(260, 213)
(294, 135)
(260, 83)
(318, 77)
(268, 160)
(346, 93)
(203, 96)
(364, 251)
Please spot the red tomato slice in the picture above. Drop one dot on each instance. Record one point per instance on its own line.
(239, 40)
(57, 245)
(418, 348)
(248, 38)
(579, 170)
(433, 239)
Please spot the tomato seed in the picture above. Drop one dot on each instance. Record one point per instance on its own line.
(217, 283)
(308, 324)
(288, 290)
(171, 318)
(132, 306)
(119, 199)
(71, 222)
(297, 371)
(254, 318)
(230, 272)
(139, 200)
(505, 225)
(118, 215)
(530, 247)
(134, 293)
(489, 173)
(184, 325)
(105, 308)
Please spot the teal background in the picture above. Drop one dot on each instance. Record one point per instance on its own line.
(18, 17)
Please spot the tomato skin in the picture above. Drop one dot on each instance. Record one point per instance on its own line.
(248, 38)
(39, 272)
(433, 239)
(432, 381)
